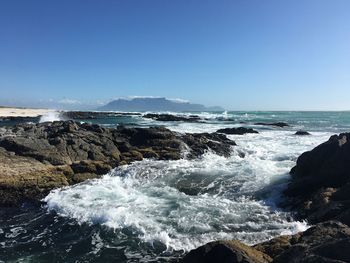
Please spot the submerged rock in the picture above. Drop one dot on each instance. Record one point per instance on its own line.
(238, 131)
(85, 115)
(276, 124)
(170, 117)
(35, 158)
(302, 133)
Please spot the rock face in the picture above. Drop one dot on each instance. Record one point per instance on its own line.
(238, 131)
(35, 158)
(170, 117)
(320, 182)
(276, 124)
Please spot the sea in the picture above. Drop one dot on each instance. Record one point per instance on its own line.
(157, 211)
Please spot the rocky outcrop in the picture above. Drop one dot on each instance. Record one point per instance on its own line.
(231, 251)
(302, 133)
(170, 117)
(325, 242)
(36, 158)
(319, 189)
(276, 124)
(237, 131)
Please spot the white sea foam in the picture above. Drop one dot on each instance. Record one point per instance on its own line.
(184, 204)
(50, 116)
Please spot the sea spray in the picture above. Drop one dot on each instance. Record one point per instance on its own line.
(50, 116)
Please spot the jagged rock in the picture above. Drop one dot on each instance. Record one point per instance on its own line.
(238, 131)
(201, 142)
(231, 251)
(302, 133)
(319, 186)
(325, 242)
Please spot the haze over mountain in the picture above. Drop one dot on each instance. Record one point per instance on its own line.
(155, 104)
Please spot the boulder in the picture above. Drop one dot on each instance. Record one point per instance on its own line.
(320, 181)
(232, 251)
(302, 133)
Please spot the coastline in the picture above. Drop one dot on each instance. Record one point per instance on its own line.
(50, 170)
(23, 112)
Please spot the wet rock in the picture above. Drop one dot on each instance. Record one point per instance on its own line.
(199, 143)
(320, 179)
(302, 133)
(325, 242)
(170, 117)
(231, 251)
(238, 131)
(276, 124)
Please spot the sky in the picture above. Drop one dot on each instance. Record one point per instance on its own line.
(239, 54)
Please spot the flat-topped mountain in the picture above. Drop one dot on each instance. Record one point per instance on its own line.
(154, 104)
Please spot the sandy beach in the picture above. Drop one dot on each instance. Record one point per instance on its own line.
(23, 112)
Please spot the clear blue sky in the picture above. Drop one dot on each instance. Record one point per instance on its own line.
(240, 54)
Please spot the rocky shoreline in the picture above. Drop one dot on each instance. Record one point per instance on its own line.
(320, 193)
(36, 158)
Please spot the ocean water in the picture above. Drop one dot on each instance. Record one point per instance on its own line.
(155, 211)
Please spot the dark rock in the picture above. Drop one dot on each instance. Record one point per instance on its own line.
(231, 251)
(276, 124)
(199, 143)
(169, 117)
(319, 186)
(302, 133)
(238, 131)
(325, 242)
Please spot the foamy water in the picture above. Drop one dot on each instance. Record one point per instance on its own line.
(153, 211)
(184, 204)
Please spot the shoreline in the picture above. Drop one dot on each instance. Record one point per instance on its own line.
(51, 170)
(23, 112)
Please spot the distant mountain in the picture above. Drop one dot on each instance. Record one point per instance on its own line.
(154, 104)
